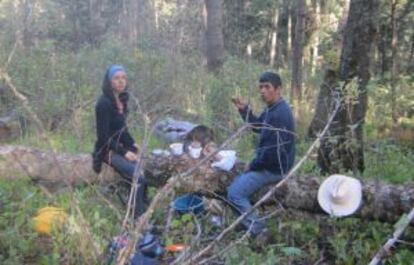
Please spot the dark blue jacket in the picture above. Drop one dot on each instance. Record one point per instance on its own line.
(276, 149)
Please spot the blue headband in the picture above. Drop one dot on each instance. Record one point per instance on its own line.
(113, 69)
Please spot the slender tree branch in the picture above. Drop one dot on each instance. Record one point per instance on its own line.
(386, 248)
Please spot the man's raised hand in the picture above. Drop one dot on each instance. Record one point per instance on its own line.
(239, 103)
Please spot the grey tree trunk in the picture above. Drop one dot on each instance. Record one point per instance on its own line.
(214, 34)
(394, 40)
(282, 48)
(145, 19)
(343, 149)
(274, 37)
(297, 51)
(315, 42)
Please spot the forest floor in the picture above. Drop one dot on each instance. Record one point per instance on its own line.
(299, 238)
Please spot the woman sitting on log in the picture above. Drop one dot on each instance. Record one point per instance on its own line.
(114, 145)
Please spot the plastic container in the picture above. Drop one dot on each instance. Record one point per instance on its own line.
(227, 161)
(176, 149)
(189, 203)
(195, 152)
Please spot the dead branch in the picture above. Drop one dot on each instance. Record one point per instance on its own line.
(386, 248)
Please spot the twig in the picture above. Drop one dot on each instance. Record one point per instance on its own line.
(226, 249)
(386, 248)
(142, 222)
(169, 219)
(11, 54)
(110, 204)
(272, 190)
(194, 242)
(236, 242)
(4, 75)
(405, 242)
(137, 172)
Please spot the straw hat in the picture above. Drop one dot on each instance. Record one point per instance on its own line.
(340, 195)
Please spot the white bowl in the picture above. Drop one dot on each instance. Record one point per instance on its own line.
(160, 152)
(194, 152)
(227, 161)
(157, 152)
(177, 149)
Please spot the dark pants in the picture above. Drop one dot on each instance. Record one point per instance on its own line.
(126, 169)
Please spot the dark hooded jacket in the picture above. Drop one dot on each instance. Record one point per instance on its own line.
(111, 130)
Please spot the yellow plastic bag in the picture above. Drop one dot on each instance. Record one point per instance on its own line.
(48, 218)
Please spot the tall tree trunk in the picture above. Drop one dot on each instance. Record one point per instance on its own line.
(282, 52)
(412, 49)
(394, 40)
(214, 35)
(145, 19)
(297, 52)
(124, 22)
(274, 37)
(315, 44)
(382, 47)
(291, 30)
(324, 103)
(26, 7)
(343, 149)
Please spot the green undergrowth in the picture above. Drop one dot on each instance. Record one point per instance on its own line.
(95, 214)
(299, 238)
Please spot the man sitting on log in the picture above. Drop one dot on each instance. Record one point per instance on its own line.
(275, 153)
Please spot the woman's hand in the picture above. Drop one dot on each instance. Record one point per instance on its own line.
(137, 147)
(130, 156)
(247, 167)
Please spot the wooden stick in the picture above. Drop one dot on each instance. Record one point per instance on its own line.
(386, 248)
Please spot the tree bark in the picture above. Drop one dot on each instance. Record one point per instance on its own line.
(394, 40)
(315, 43)
(384, 202)
(145, 19)
(274, 37)
(324, 103)
(343, 149)
(214, 34)
(282, 47)
(297, 52)
(10, 127)
(27, 11)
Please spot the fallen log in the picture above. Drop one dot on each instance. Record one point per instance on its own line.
(10, 127)
(50, 169)
(381, 201)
